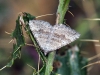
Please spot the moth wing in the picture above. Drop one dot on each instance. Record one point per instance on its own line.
(41, 31)
(63, 35)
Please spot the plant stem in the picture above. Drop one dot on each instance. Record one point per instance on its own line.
(37, 48)
(61, 11)
(49, 63)
(62, 8)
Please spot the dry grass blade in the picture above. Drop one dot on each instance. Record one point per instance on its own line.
(89, 40)
(91, 64)
(7, 32)
(30, 45)
(3, 68)
(89, 59)
(32, 67)
(11, 40)
(97, 45)
(95, 19)
(45, 15)
(38, 64)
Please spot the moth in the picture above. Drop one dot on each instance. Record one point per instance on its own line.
(50, 37)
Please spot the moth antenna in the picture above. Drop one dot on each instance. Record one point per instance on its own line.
(45, 15)
(7, 32)
(71, 13)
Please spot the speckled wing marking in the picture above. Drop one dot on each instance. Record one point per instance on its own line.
(63, 35)
(41, 31)
(50, 37)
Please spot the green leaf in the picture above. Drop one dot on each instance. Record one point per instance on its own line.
(19, 41)
(77, 62)
(26, 19)
(62, 64)
(71, 63)
(17, 34)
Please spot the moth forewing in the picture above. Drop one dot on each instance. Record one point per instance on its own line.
(50, 37)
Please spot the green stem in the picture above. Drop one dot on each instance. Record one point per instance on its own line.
(62, 8)
(49, 63)
(37, 48)
(43, 58)
(39, 52)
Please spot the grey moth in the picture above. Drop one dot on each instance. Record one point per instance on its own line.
(50, 37)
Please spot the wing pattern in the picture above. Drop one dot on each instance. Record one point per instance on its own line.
(50, 37)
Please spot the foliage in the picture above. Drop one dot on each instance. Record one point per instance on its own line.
(69, 65)
(71, 62)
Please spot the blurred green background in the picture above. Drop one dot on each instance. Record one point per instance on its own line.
(81, 9)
